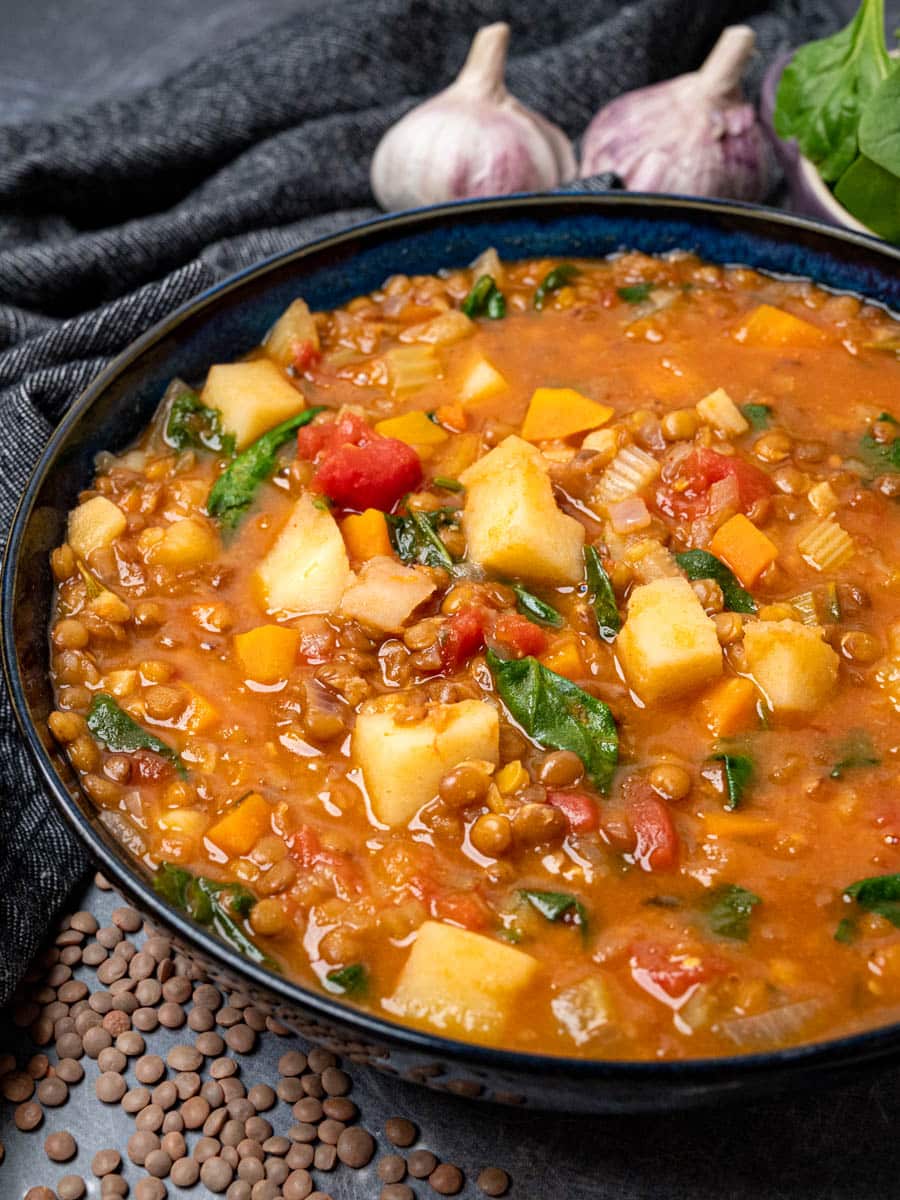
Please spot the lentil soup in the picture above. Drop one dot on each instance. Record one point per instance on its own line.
(516, 653)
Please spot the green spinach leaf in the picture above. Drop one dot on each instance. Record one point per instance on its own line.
(485, 299)
(603, 598)
(635, 293)
(728, 911)
(856, 750)
(738, 772)
(558, 906)
(879, 128)
(233, 492)
(351, 980)
(827, 85)
(448, 484)
(191, 423)
(416, 540)
(121, 734)
(700, 564)
(878, 894)
(846, 931)
(558, 714)
(881, 457)
(872, 194)
(535, 609)
(553, 281)
(758, 415)
(223, 906)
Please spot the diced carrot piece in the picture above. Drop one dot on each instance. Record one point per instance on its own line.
(564, 657)
(267, 653)
(414, 428)
(560, 412)
(729, 706)
(735, 824)
(366, 535)
(744, 548)
(238, 831)
(453, 416)
(773, 327)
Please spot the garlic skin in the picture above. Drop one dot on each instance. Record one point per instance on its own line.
(693, 135)
(472, 139)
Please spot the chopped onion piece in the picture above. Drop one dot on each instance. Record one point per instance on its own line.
(723, 494)
(776, 1026)
(629, 515)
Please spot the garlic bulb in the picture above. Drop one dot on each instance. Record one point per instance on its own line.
(472, 139)
(694, 134)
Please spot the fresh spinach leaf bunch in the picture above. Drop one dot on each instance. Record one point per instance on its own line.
(840, 99)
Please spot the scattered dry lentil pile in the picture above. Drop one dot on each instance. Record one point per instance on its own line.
(195, 1121)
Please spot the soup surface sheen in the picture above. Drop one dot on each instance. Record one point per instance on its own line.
(581, 748)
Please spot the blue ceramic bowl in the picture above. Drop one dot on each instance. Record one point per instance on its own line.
(225, 322)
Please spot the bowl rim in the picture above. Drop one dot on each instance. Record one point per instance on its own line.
(866, 1045)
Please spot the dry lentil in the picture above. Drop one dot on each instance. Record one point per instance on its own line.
(61, 1146)
(446, 1179)
(28, 1116)
(420, 1163)
(71, 1187)
(493, 1181)
(52, 1092)
(400, 1132)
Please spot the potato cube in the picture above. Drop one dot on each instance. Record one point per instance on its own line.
(792, 665)
(292, 333)
(252, 397)
(306, 570)
(511, 520)
(385, 594)
(481, 381)
(463, 983)
(668, 645)
(719, 410)
(403, 761)
(186, 544)
(95, 523)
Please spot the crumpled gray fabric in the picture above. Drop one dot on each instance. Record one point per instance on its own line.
(113, 216)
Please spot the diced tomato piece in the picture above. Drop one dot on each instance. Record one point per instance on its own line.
(147, 766)
(655, 839)
(519, 634)
(303, 845)
(321, 437)
(305, 848)
(672, 971)
(356, 467)
(305, 355)
(374, 475)
(581, 810)
(461, 637)
(461, 908)
(688, 496)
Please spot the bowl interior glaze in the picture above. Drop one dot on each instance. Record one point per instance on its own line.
(229, 320)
